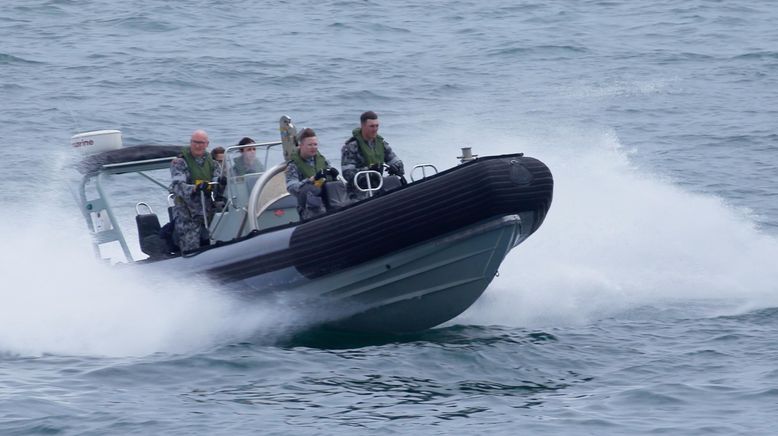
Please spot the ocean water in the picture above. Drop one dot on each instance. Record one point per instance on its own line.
(647, 303)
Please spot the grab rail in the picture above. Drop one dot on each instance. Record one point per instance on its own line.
(370, 189)
(423, 173)
(143, 203)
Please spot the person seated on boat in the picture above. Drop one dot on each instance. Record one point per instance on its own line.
(366, 149)
(191, 173)
(306, 174)
(217, 154)
(247, 162)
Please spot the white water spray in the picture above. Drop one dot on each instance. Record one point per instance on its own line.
(56, 298)
(617, 238)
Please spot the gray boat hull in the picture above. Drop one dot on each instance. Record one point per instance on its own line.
(409, 290)
(424, 286)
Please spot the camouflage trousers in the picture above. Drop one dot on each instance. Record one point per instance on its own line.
(190, 232)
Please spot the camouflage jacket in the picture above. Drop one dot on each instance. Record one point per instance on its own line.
(352, 160)
(295, 178)
(183, 188)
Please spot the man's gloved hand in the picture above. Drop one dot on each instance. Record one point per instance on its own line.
(396, 169)
(319, 175)
(332, 172)
(223, 181)
(202, 187)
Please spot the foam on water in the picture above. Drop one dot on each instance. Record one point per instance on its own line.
(57, 298)
(618, 237)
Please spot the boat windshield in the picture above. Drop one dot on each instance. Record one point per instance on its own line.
(245, 164)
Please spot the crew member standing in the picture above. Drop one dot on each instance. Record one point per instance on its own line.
(191, 173)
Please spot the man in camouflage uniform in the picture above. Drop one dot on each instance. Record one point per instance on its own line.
(366, 149)
(305, 174)
(190, 173)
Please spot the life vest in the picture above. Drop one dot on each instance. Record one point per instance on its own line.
(306, 169)
(197, 172)
(373, 156)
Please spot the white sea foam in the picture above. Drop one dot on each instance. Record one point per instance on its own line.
(618, 237)
(56, 298)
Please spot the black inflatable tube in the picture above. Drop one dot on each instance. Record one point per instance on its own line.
(485, 188)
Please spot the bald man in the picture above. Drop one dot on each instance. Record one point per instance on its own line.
(190, 173)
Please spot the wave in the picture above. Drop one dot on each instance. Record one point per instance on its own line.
(541, 50)
(8, 59)
(618, 237)
(759, 55)
(57, 299)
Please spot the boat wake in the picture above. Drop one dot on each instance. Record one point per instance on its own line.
(619, 238)
(57, 299)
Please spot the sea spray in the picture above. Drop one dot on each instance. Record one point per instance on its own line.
(58, 298)
(618, 237)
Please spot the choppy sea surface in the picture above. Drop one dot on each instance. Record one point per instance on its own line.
(647, 303)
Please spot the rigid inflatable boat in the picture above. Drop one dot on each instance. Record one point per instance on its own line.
(404, 259)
